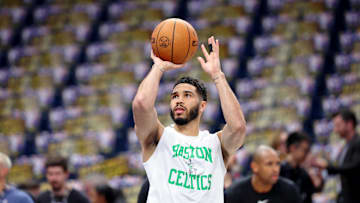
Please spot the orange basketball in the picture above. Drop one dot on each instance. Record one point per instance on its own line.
(174, 40)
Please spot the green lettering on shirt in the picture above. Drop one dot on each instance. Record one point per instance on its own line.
(186, 153)
(192, 151)
(189, 183)
(209, 181)
(171, 171)
(179, 177)
(175, 149)
(208, 156)
(202, 183)
(201, 154)
(181, 151)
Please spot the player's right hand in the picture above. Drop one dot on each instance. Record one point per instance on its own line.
(164, 65)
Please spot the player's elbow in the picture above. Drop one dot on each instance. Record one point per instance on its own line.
(239, 128)
(139, 103)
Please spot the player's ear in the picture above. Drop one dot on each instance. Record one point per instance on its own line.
(254, 167)
(202, 106)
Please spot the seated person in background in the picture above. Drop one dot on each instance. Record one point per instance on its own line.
(298, 146)
(264, 185)
(56, 174)
(10, 194)
(106, 194)
(279, 144)
(31, 187)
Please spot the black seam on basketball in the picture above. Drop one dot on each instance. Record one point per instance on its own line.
(157, 36)
(189, 42)
(172, 43)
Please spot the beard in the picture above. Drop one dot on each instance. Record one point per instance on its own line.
(194, 112)
(56, 186)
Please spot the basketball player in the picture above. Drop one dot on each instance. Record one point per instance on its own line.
(182, 163)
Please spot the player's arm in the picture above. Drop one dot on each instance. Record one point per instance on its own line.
(233, 134)
(147, 125)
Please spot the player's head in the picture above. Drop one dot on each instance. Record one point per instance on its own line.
(5, 165)
(188, 99)
(298, 146)
(344, 122)
(266, 165)
(56, 172)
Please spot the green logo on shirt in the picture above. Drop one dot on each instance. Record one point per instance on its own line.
(188, 152)
(189, 181)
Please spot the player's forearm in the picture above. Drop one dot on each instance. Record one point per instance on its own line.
(230, 106)
(146, 95)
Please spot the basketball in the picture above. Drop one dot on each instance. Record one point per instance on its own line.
(174, 40)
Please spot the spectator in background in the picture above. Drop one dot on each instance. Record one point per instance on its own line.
(10, 194)
(264, 185)
(348, 161)
(32, 188)
(56, 174)
(298, 146)
(106, 194)
(279, 144)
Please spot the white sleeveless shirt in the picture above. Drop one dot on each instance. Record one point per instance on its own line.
(186, 169)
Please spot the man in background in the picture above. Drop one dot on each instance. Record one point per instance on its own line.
(348, 161)
(298, 147)
(264, 185)
(10, 194)
(56, 174)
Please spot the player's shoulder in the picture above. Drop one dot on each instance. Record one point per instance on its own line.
(286, 184)
(238, 190)
(241, 183)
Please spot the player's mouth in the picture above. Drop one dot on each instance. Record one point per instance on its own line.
(275, 177)
(179, 110)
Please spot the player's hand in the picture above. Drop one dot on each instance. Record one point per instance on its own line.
(164, 65)
(211, 63)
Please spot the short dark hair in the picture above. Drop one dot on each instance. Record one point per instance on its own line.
(296, 138)
(57, 161)
(200, 87)
(347, 115)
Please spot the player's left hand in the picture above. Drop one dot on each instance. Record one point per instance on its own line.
(212, 63)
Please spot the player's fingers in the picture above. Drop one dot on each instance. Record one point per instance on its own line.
(152, 54)
(206, 54)
(179, 65)
(217, 47)
(201, 60)
(210, 40)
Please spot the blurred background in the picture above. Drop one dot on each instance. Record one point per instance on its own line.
(70, 68)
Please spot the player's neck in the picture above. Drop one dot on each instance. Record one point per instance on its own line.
(190, 129)
(259, 186)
